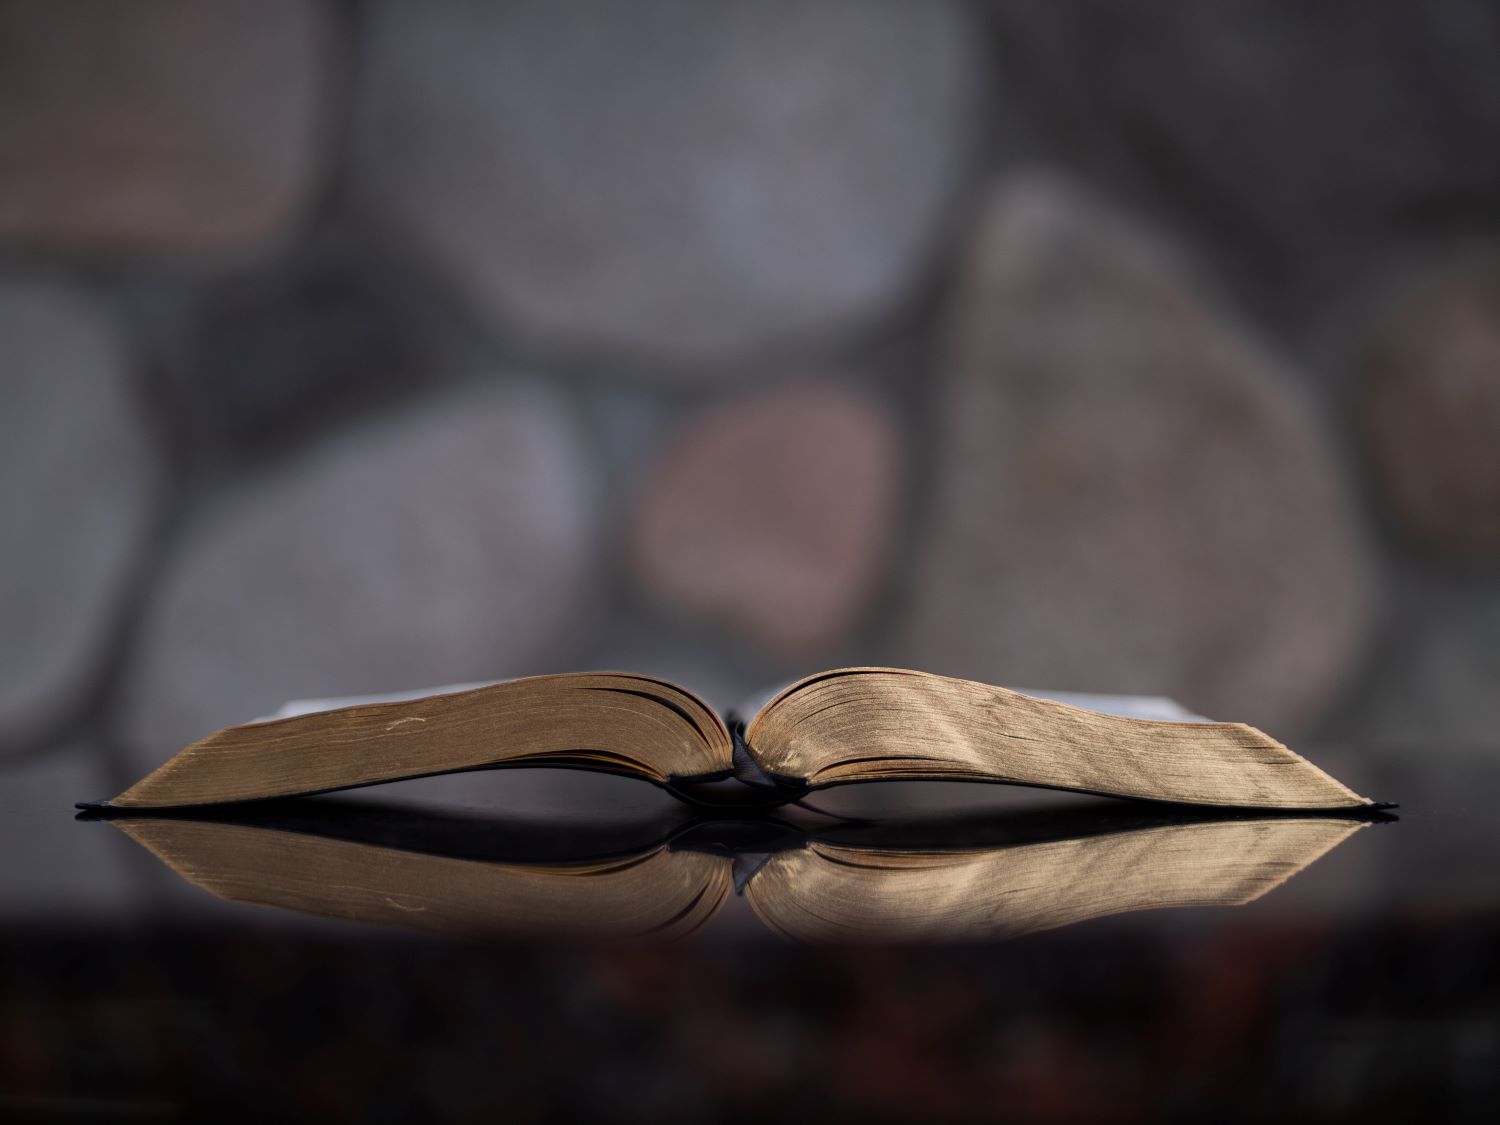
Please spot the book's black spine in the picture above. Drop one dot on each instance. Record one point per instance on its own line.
(745, 786)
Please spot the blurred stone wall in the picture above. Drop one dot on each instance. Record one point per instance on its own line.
(358, 346)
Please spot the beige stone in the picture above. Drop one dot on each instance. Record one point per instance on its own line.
(1130, 496)
(172, 127)
(1429, 409)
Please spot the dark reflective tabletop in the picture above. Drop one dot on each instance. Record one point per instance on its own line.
(534, 944)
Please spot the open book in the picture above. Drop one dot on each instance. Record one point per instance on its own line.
(969, 878)
(836, 728)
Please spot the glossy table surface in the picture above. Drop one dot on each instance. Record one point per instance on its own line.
(534, 945)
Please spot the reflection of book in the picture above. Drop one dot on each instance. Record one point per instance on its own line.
(826, 892)
(853, 725)
(997, 876)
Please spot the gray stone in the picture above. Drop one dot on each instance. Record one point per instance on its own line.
(1294, 135)
(1429, 408)
(55, 868)
(176, 127)
(671, 180)
(1129, 495)
(79, 483)
(450, 543)
(1432, 688)
(773, 514)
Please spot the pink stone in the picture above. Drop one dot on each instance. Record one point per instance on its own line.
(773, 514)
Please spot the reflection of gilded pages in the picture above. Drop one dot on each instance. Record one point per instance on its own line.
(827, 893)
(836, 885)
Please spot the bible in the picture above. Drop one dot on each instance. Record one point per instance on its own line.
(843, 727)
